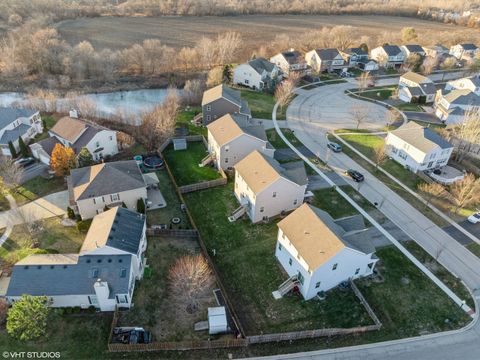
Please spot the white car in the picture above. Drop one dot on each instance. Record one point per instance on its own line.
(474, 218)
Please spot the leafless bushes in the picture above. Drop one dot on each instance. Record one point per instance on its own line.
(284, 91)
(466, 135)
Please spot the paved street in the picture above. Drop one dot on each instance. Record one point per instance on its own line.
(49, 206)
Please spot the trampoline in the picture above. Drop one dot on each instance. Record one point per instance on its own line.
(153, 162)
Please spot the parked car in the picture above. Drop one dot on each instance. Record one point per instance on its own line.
(355, 175)
(335, 147)
(24, 162)
(474, 218)
(131, 335)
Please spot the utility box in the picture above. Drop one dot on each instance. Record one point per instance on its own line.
(217, 320)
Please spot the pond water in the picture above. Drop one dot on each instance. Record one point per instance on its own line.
(132, 102)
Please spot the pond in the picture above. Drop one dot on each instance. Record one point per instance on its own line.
(131, 103)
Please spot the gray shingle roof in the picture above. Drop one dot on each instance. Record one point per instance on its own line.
(356, 51)
(104, 179)
(294, 171)
(414, 48)
(420, 137)
(48, 144)
(469, 46)
(9, 115)
(327, 54)
(12, 135)
(126, 231)
(292, 57)
(392, 50)
(72, 279)
(261, 64)
(85, 138)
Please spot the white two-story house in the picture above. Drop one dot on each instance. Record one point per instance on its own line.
(232, 137)
(257, 74)
(409, 50)
(77, 134)
(318, 253)
(265, 188)
(102, 275)
(418, 148)
(471, 83)
(413, 87)
(389, 56)
(451, 106)
(291, 61)
(15, 124)
(326, 60)
(93, 188)
(464, 51)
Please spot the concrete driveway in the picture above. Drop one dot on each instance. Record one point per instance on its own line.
(43, 208)
(32, 171)
(422, 116)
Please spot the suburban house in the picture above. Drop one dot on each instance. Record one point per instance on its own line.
(221, 100)
(325, 60)
(417, 148)
(257, 74)
(451, 106)
(413, 87)
(93, 188)
(291, 61)
(435, 51)
(16, 123)
(471, 83)
(412, 50)
(464, 51)
(265, 188)
(356, 57)
(77, 134)
(103, 274)
(390, 56)
(232, 137)
(318, 253)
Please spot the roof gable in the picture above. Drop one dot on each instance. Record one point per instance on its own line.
(420, 137)
(229, 127)
(219, 92)
(69, 128)
(9, 114)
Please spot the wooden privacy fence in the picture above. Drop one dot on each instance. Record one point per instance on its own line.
(173, 232)
(365, 304)
(202, 185)
(189, 138)
(179, 345)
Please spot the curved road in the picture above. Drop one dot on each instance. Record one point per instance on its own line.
(311, 115)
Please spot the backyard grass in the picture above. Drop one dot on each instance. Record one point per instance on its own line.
(37, 188)
(184, 118)
(382, 93)
(165, 215)
(184, 164)
(50, 237)
(333, 203)
(244, 254)
(409, 107)
(155, 308)
(277, 141)
(261, 104)
(129, 153)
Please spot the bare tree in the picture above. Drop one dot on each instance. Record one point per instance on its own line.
(190, 279)
(429, 64)
(10, 174)
(227, 45)
(215, 76)
(193, 91)
(466, 134)
(359, 114)
(431, 190)
(284, 91)
(392, 116)
(465, 192)
(364, 80)
(158, 124)
(448, 63)
(379, 155)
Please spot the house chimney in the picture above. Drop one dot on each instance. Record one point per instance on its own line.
(73, 114)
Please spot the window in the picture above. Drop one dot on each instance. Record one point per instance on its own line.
(209, 118)
(295, 202)
(111, 138)
(209, 107)
(227, 148)
(290, 261)
(262, 209)
(334, 266)
(247, 81)
(94, 273)
(300, 278)
(123, 273)
(226, 160)
(121, 299)
(274, 194)
(357, 271)
(317, 285)
(97, 144)
(370, 266)
(114, 197)
(92, 300)
(279, 246)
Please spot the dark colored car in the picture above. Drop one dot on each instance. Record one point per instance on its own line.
(335, 147)
(355, 175)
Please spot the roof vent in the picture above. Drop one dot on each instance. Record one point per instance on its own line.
(89, 261)
(39, 266)
(99, 261)
(306, 232)
(120, 260)
(64, 266)
(25, 267)
(109, 260)
(52, 266)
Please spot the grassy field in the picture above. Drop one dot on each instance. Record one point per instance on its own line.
(409, 107)
(184, 164)
(51, 237)
(179, 31)
(333, 203)
(261, 104)
(38, 187)
(165, 215)
(184, 117)
(245, 257)
(278, 143)
(378, 94)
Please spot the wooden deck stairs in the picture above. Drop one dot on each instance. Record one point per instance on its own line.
(285, 287)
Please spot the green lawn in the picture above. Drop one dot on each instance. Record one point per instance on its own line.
(129, 153)
(409, 107)
(244, 254)
(165, 215)
(474, 248)
(333, 203)
(38, 187)
(49, 120)
(50, 237)
(184, 164)
(378, 94)
(261, 104)
(184, 117)
(278, 143)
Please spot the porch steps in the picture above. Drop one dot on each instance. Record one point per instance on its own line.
(285, 287)
(206, 160)
(238, 213)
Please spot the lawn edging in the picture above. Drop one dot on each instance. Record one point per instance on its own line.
(410, 191)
